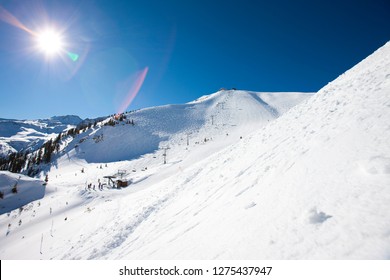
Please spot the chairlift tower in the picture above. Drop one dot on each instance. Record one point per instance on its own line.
(165, 154)
(188, 139)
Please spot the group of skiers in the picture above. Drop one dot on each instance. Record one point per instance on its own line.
(93, 187)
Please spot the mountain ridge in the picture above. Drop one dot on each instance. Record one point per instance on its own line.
(22, 135)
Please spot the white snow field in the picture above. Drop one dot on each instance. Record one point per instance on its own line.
(313, 183)
(27, 189)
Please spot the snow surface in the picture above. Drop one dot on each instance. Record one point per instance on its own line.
(139, 150)
(214, 116)
(28, 189)
(310, 184)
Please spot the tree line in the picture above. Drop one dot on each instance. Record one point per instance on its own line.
(30, 161)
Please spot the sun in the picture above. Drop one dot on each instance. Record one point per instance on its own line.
(50, 42)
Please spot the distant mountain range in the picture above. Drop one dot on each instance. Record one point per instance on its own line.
(29, 135)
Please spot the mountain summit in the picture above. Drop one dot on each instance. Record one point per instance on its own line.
(213, 116)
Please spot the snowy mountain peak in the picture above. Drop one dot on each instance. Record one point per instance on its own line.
(68, 119)
(213, 116)
(22, 135)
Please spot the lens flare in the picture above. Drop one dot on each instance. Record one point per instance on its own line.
(12, 20)
(134, 89)
(74, 57)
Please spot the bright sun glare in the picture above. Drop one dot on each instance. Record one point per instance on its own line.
(50, 42)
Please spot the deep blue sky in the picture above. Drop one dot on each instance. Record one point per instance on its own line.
(191, 47)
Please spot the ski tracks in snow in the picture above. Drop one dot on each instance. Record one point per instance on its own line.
(120, 233)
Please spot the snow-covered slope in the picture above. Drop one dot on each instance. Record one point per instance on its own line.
(186, 134)
(221, 113)
(314, 184)
(17, 135)
(18, 190)
(311, 184)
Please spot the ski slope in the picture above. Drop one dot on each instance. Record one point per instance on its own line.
(312, 183)
(224, 112)
(28, 189)
(186, 133)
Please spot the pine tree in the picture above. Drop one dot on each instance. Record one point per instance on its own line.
(39, 157)
(48, 151)
(58, 138)
(57, 147)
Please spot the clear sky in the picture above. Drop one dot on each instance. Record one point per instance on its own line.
(175, 51)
